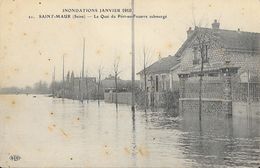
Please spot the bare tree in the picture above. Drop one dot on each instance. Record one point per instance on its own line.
(100, 71)
(203, 41)
(116, 75)
(146, 63)
(72, 84)
(87, 89)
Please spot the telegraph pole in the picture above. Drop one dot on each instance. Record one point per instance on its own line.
(82, 77)
(133, 57)
(248, 87)
(63, 91)
(53, 83)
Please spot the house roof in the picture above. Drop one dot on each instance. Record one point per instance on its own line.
(240, 40)
(228, 39)
(231, 39)
(163, 65)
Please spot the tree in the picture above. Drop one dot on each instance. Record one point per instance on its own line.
(41, 87)
(68, 77)
(116, 75)
(72, 81)
(67, 93)
(203, 41)
(146, 63)
(87, 89)
(100, 71)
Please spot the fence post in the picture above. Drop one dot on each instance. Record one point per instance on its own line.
(182, 77)
(228, 71)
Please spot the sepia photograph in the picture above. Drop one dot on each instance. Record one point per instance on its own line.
(129, 83)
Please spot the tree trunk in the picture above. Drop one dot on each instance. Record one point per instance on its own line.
(145, 92)
(116, 90)
(98, 92)
(87, 88)
(201, 78)
(200, 97)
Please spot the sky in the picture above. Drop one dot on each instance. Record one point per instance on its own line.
(31, 48)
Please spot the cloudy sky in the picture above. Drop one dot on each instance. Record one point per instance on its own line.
(30, 48)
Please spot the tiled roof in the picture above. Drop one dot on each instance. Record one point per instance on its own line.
(229, 39)
(237, 40)
(163, 65)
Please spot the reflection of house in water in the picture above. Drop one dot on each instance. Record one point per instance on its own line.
(241, 49)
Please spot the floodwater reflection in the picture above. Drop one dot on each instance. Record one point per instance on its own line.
(55, 133)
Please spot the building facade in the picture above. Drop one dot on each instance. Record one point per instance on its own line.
(217, 46)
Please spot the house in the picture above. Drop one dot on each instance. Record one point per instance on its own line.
(108, 84)
(158, 76)
(159, 79)
(73, 87)
(238, 47)
(123, 94)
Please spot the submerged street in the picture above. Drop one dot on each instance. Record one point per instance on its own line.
(54, 133)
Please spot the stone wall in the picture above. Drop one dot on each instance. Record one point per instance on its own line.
(209, 90)
(209, 106)
(190, 108)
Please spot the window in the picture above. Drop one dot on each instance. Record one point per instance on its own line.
(163, 82)
(156, 83)
(195, 55)
(206, 54)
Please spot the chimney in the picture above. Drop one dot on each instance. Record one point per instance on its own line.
(189, 32)
(215, 25)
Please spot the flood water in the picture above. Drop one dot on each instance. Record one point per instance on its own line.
(47, 132)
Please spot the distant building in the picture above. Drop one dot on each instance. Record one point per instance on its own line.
(108, 84)
(74, 87)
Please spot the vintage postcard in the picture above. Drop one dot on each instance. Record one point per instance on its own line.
(129, 83)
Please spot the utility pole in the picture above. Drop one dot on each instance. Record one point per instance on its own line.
(63, 91)
(79, 95)
(82, 77)
(248, 87)
(133, 57)
(87, 86)
(53, 83)
(145, 85)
